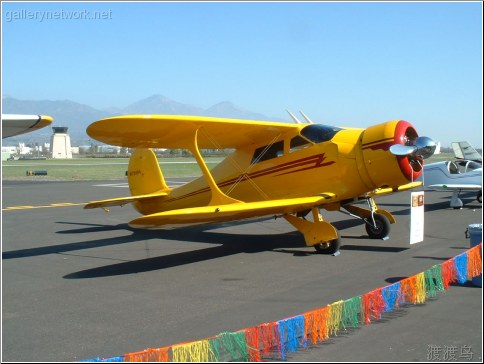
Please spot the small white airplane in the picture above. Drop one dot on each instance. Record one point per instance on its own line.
(455, 176)
(463, 150)
(16, 124)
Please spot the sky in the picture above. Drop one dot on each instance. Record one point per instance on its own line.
(351, 64)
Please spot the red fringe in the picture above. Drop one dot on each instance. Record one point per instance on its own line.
(269, 337)
(449, 273)
(315, 325)
(149, 355)
(373, 305)
(252, 338)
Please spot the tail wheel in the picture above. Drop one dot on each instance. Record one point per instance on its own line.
(329, 247)
(381, 229)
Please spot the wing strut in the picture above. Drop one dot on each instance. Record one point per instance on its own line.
(218, 197)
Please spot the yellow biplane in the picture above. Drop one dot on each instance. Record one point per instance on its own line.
(274, 169)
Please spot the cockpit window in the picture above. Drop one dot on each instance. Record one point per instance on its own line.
(318, 133)
(471, 165)
(268, 152)
(298, 143)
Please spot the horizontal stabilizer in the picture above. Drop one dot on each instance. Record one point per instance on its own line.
(234, 211)
(452, 187)
(121, 201)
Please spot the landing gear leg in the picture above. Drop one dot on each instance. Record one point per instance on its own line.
(455, 201)
(377, 225)
(317, 233)
(377, 221)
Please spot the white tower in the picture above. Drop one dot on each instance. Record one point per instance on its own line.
(60, 143)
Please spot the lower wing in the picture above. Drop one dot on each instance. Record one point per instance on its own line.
(384, 191)
(235, 211)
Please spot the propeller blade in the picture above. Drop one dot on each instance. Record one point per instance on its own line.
(425, 147)
(400, 149)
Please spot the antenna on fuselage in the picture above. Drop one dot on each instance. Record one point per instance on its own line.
(309, 121)
(293, 117)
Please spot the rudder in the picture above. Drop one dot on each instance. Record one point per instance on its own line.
(144, 173)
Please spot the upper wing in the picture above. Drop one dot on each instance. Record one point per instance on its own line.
(177, 131)
(14, 124)
(235, 211)
(451, 187)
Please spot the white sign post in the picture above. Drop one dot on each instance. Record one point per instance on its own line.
(417, 217)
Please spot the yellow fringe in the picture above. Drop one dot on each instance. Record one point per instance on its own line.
(421, 293)
(334, 317)
(197, 351)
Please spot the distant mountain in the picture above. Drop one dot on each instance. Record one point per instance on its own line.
(158, 104)
(77, 117)
(228, 110)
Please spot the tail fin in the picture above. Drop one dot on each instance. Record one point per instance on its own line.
(144, 173)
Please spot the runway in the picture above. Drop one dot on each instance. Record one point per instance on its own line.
(78, 284)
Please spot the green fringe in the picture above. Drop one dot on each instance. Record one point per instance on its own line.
(233, 345)
(439, 282)
(350, 316)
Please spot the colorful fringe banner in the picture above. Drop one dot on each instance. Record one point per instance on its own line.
(229, 346)
(114, 359)
(289, 335)
(316, 328)
(474, 263)
(449, 273)
(391, 296)
(461, 268)
(350, 316)
(148, 355)
(373, 305)
(197, 351)
(269, 335)
(334, 319)
(252, 337)
(408, 289)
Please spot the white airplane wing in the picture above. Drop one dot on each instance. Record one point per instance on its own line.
(452, 187)
(15, 124)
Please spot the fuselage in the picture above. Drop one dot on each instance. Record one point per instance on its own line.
(310, 161)
(448, 173)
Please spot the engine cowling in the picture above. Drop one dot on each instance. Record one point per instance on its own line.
(398, 169)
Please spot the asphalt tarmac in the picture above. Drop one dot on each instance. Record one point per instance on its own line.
(79, 284)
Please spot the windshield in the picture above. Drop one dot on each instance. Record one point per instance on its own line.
(318, 133)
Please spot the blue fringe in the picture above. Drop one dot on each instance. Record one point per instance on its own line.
(461, 267)
(291, 332)
(105, 360)
(390, 295)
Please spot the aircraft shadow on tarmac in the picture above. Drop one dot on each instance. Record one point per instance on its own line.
(230, 244)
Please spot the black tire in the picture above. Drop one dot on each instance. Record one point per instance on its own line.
(330, 247)
(382, 228)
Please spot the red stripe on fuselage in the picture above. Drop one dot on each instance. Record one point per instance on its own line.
(384, 144)
(314, 161)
